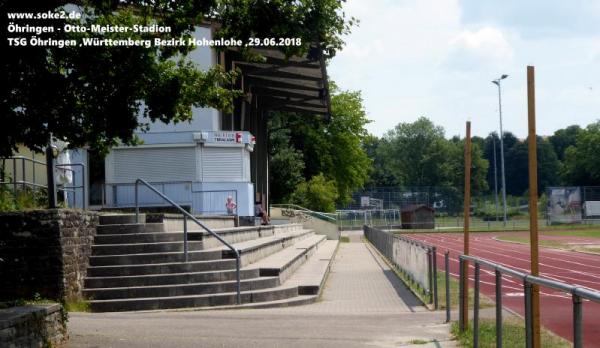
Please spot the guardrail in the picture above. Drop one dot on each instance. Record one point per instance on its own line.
(186, 216)
(577, 294)
(416, 259)
(23, 183)
(296, 208)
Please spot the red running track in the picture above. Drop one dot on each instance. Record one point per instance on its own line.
(565, 266)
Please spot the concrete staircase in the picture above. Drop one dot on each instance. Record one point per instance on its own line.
(140, 266)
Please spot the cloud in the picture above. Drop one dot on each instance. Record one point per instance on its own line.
(486, 47)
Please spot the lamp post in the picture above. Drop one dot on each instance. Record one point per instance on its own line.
(497, 83)
(495, 175)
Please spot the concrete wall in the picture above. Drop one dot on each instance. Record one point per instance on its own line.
(45, 252)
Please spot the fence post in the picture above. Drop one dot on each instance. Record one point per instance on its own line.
(498, 309)
(435, 281)
(528, 322)
(476, 308)
(461, 313)
(577, 317)
(447, 271)
(430, 269)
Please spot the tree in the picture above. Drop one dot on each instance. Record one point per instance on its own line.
(582, 161)
(479, 166)
(417, 153)
(563, 138)
(333, 149)
(517, 169)
(286, 164)
(93, 95)
(380, 175)
(319, 194)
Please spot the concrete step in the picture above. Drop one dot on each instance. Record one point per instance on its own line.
(169, 278)
(250, 251)
(310, 277)
(147, 237)
(254, 250)
(171, 290)
(283, 263)
(160, 268)
(117, 219)
(222, 299)
(130, 228)
(150, 258)
(143, 248)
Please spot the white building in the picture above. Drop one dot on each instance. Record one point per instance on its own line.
(216, 155)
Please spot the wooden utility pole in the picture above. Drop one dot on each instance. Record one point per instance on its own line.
(467, 213)
(533, 208)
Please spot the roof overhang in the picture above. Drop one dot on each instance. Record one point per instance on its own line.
(294, 84)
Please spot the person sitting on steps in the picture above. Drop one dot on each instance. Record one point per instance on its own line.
(260, 212)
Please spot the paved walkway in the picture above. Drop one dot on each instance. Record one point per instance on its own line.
(363, 304)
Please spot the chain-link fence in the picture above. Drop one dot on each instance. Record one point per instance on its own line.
(390, 206)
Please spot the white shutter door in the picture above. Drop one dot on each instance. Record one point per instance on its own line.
(222, 164)
(155, 164)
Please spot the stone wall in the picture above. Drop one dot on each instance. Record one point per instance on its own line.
(45, 252)
(33, 326)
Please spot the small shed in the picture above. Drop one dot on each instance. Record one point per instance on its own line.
(417, 216)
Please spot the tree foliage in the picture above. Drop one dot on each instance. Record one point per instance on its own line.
(318, 193)
(582, 160)
(93, 95)
(333, 149)
(418, 154)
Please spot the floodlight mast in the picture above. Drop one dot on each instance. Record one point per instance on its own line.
(497, 82)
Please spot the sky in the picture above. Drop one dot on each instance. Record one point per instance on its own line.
(437, 58)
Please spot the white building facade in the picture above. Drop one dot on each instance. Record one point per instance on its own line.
(196, 164)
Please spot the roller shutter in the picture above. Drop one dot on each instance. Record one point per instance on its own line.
(154, 164)
(222, 164)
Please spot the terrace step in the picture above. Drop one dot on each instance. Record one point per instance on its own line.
(285, 262)
(130, 228)
(118, 219)
(169, 278)
(160, 268)
(222, 299)
(171, 290)
(147, 237)
(143, 248)
(311, 276)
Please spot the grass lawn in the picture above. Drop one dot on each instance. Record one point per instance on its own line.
(513, 334)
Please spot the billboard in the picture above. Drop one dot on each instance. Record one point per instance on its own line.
(564, 205)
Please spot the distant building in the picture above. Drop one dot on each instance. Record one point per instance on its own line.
(418, 216)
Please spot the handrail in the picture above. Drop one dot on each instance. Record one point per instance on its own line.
(187, 215)
(577, 292)
(34, 162)
(318, 214)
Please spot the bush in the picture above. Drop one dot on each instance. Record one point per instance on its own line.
(25, 199)
(318, 194)
(487, 210)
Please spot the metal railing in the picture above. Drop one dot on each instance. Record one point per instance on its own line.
(204, 202)
(413, 257)
(296, 208)
(187, 215)
(207, 198)
(577, 293)
(23, 183)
